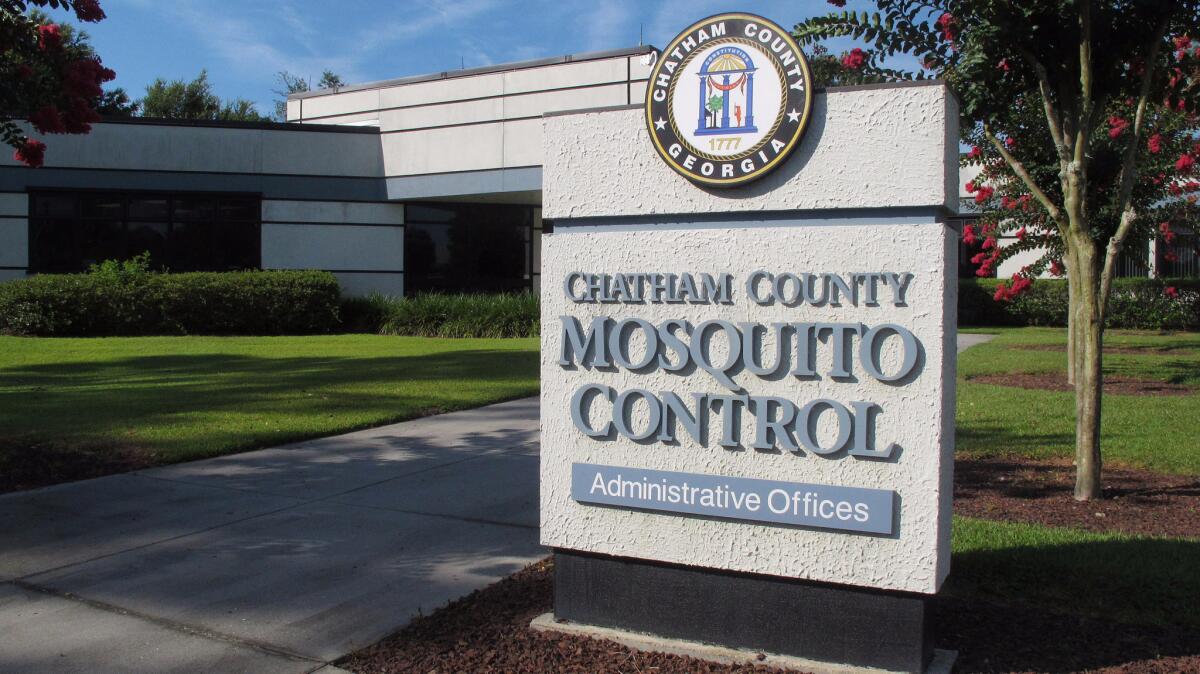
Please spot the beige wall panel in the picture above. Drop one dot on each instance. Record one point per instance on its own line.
(532, 105)
(332, 247)
(565, 75)
(442, 91)
(523, 142)
(14, 203)
(361, 285)
(341, 104)
(333, 211)
(466, 112)
(459, 148)
(14, 242)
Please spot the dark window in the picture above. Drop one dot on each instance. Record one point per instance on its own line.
(468, 247)
(69, 231)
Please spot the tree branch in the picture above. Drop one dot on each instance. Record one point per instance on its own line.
(1052, 115)
(1129, 171)
(1015, 164)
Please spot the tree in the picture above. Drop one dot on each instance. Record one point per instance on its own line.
(48, 74)
(294, 84)
(329, 80)
(178, 99)
(1069, 95)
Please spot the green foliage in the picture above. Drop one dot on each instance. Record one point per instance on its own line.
(178, 99)
(124, 298)
(445, 315)
(1136, 303)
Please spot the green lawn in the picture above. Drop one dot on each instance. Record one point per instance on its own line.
(184, 398)
(1154, 432)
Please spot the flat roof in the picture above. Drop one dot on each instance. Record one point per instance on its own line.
(484, 70)
(234, 124)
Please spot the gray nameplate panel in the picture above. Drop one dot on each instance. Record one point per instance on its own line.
(793, 503)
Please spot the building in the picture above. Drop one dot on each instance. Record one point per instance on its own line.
(414, 184)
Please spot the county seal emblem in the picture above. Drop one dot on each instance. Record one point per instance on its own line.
(728, 99)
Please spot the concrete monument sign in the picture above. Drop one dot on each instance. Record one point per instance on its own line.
(748, 393)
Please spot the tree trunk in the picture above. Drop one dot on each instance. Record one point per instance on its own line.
(1072, 302)
(1088, 360)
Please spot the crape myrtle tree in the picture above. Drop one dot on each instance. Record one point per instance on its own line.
(1081, 114)
(48, 75)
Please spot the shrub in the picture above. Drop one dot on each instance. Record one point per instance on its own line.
(125, 299)
(445, 315)
(1135, 303)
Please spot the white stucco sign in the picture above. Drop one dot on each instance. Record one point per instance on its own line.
(736, 381)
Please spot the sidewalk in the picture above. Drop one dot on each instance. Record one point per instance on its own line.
(279, 560)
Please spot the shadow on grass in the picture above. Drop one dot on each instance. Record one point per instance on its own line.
(1148, 581)
(978, 438)
(204, 405)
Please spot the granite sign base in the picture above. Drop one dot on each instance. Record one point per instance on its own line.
(846, 627)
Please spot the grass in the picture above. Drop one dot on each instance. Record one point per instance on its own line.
(1154, 432)
(182, 398)
(1130, 579)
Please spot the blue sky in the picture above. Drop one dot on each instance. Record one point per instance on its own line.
(244, 43)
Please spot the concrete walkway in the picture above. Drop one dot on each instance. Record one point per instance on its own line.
(280, 560)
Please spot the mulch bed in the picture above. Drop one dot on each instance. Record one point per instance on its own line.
(488, 632)
(1039, 492)
(27, 464)
(1057, 381)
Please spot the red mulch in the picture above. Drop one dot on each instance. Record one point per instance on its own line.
(1057, 381)
(1039, 492)
(488, 632)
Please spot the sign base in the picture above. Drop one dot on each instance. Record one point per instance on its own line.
(811, 626)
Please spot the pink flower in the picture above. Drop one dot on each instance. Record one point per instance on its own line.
(1116, 126)
(1010, 142)
(47, 120)
(49, 37)
(1171, 292)
(855, 59)
(31, 153)
(975, 152)
(1056, 268)
(1185, 163)
(89, 10)
(970, 186)
(983, 194)
(948, 25)
(1154, 143)
(989, 243)
(968, 235)
(1021, 234)
(1003, 65)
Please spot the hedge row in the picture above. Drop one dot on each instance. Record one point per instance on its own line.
(144, 303)
(1135, 303)
(445, 315)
